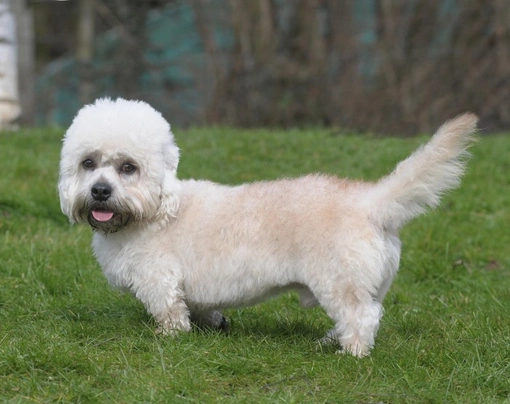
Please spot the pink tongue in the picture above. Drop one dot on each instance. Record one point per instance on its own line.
(102, 216)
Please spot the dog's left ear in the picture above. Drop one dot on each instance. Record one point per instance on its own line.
(170, 187)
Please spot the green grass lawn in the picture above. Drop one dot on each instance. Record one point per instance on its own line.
(66, 336)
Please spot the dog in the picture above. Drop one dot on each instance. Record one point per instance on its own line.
(189, 249)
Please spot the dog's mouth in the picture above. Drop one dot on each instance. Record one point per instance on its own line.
(102, 215)
(107, 220)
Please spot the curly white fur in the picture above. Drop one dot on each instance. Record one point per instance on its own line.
(188, 249)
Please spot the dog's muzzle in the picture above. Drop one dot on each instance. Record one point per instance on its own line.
(102, 215)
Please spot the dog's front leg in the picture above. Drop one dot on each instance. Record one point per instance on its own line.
(213, 319)
(164, 300)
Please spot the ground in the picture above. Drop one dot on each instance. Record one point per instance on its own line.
(66, 336)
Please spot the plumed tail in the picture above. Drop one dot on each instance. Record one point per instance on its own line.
(418, 182)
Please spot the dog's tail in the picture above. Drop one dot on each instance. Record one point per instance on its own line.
(419, 181)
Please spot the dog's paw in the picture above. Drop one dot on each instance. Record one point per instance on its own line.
(224, 325)
(172, 328)
(213, 319)
(219, 322)
(356, 349)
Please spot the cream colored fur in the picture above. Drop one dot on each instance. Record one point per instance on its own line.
(188, 249)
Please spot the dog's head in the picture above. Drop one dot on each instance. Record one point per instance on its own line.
(118, 166)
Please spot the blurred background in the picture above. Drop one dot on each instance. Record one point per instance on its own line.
(388, 66)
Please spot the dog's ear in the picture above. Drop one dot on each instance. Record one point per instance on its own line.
(170, 187)
(66, 189)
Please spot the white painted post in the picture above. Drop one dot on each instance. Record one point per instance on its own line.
(9, 96)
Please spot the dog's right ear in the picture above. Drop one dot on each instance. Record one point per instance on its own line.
(66, 189)
(170, 187)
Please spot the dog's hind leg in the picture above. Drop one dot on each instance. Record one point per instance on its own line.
(358, 326)
(356, 314)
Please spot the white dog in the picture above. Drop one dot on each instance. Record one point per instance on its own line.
(188, 249)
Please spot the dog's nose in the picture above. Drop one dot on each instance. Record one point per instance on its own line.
(101, 191)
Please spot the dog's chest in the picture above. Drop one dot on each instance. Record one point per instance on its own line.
(113, 255)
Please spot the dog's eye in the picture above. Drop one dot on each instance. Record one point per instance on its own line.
(87, 164)
(128, 168)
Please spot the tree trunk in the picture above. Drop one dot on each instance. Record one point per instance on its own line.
(26, 60)
(85, 49)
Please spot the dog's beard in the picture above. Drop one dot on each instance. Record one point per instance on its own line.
(105, 217)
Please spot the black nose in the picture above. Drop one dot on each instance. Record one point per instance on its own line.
(101, 191)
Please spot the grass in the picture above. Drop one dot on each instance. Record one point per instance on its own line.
(67, 337)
